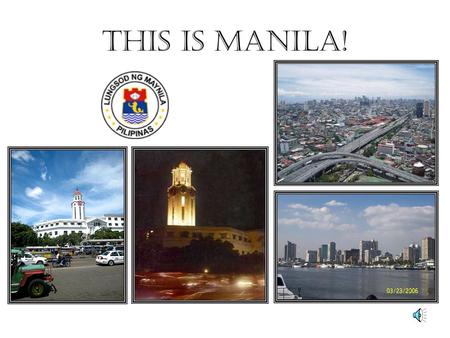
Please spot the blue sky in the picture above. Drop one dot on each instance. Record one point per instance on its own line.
(43, 182)
(395, 220)
(301, 82)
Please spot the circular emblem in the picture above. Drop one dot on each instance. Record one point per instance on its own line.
(135, 105)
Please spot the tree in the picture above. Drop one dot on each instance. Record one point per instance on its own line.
(46, 240)
(22, 235)
(106, 233)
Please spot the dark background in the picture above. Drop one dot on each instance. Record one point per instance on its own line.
(230, 186)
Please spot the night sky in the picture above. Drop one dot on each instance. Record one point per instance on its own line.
(230, 186)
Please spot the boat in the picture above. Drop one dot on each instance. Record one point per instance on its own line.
(283, 293)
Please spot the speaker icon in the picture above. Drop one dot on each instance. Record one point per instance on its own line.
(420, 315)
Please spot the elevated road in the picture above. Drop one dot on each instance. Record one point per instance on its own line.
(322, 162)
(311, 166)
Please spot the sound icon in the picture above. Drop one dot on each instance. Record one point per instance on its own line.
(420, 315)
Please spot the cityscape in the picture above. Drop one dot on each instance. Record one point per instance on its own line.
(371, 129)
(412, 256)
(356, 246)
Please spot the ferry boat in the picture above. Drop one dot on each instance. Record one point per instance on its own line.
(283, 293)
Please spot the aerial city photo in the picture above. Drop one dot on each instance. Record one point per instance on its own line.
(356, 246)
(67, 225)
(200, 224)
(356, 122)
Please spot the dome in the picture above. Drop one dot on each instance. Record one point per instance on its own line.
(77, 192)
(183, 165)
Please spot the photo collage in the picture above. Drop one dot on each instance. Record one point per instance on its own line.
(242, 224)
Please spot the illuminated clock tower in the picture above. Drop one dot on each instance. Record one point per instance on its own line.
(181, 197)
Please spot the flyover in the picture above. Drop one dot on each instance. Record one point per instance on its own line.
(311, 166)
(318, 163)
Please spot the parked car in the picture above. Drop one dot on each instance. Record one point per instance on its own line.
(28, 258)
(29, 279)
(110, 258)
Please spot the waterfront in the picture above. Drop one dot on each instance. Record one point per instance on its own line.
(358, 283)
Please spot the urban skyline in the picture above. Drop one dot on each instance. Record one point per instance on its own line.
(395, 220)
(367, 251)
(356, 123)
(298, 83)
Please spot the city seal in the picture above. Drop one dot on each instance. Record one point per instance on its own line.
(135, 105)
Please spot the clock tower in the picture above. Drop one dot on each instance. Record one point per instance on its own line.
(181, 197)
(78, 206)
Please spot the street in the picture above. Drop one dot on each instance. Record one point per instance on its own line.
(198, 286)
(84, 281)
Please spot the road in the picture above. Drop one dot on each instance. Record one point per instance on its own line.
(180, 286)
(323, 161)
(85, 281)
(309, 167)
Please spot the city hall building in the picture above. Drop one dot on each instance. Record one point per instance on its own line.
(181, 227)
(79, 223)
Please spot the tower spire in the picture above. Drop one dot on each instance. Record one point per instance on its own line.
(78, 205)
(181, 197)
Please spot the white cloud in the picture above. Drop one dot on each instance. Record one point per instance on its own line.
(22, 155)
(334, 203)
(314, 218)
(44, 172)
(101, 175)
(394, 217)
(331, 80)
(33, 192)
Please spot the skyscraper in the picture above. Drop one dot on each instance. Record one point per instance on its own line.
(366, 245)
(428, 248)
(412, 253)
(332, 252)
(426, 108)
(319, 255)
(324, 253)
(311, 256)
(419, 109)
(290, 252)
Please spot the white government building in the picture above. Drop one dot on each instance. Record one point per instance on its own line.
(79, 222)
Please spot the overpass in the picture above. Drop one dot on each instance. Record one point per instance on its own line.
(318, 163)
(308, 168)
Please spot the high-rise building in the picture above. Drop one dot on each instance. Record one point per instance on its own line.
(284, 147)
(332, 252)
(319, 255)
(370, 254)
(419, 109)
(324, 253)
(412, 253)
(290, 252)
(428, 248)
(311, 256)
(351, 256)
(426, 108)
(366, 245)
